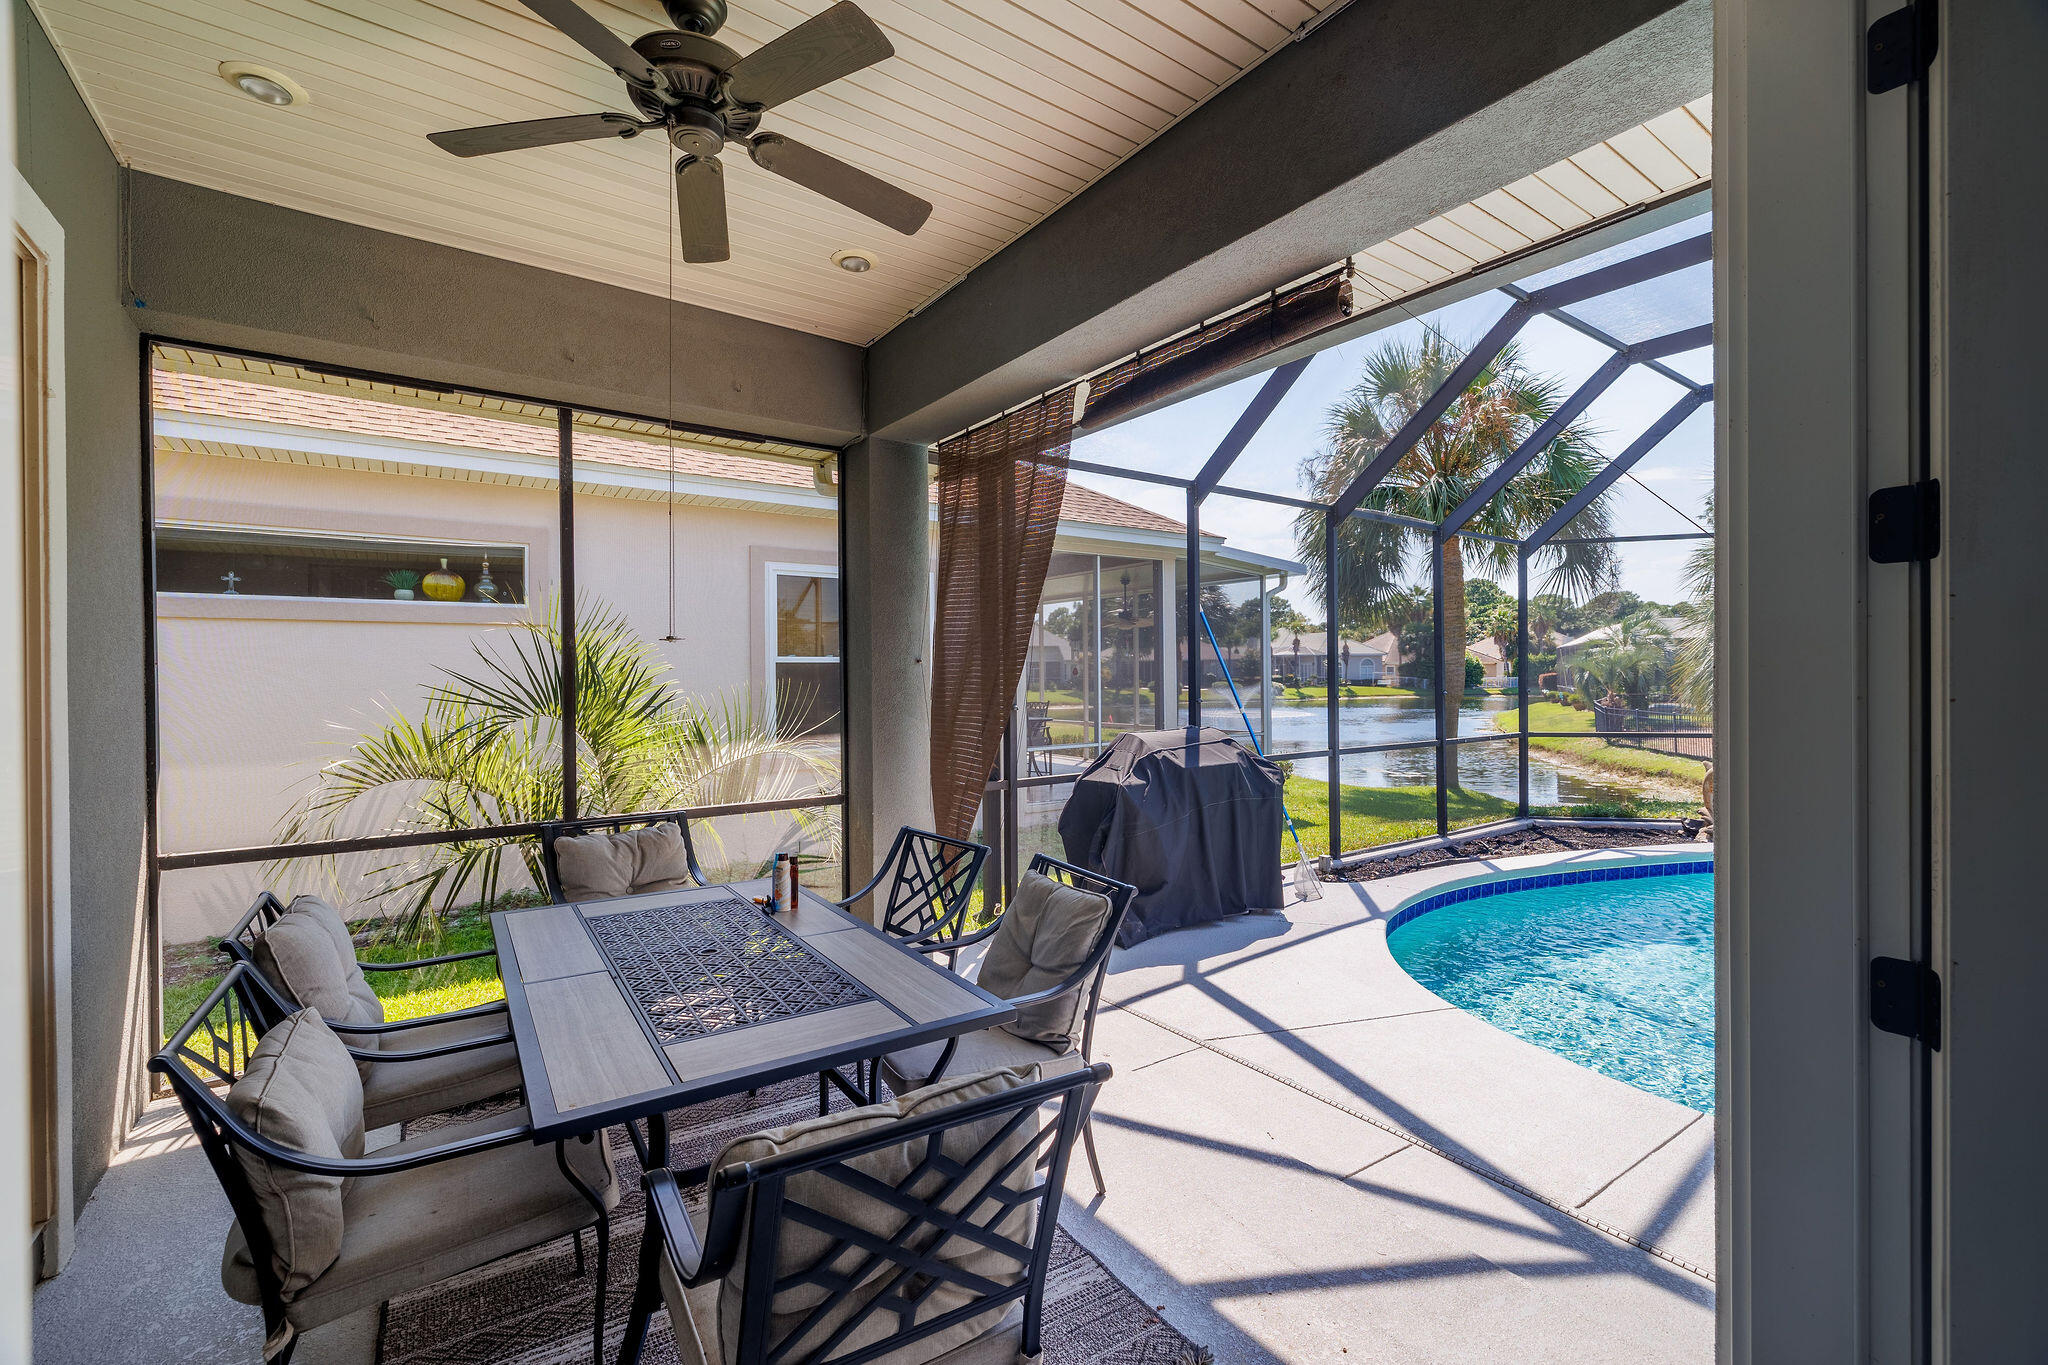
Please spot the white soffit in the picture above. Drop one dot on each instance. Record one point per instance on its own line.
(1670, 155)
(997, 113)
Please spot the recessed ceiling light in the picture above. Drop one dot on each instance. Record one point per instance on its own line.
(854, 260)
(262, 84)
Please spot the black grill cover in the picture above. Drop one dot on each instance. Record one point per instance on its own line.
(1190, 817)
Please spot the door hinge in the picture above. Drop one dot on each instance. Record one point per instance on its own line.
(1905, 522)
(1905, 998)
(1900, 47)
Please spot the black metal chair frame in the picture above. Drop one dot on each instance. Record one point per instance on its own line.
(271, 1003)
(200, 1080)
(1060, 1106)
(1091, 972)
(557, 829)
(926, 868)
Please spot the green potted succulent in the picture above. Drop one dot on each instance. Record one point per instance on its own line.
(401, 582)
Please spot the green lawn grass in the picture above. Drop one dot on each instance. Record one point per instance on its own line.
(1621, 759)
(1372, 816)
(1320, 696)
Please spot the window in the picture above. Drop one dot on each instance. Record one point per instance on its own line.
(246, 562)
(803, 601)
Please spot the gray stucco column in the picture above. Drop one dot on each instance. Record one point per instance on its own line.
(885, 625)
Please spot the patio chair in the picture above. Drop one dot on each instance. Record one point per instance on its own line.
(603, 857)
(323, 1230)
(303, 954)
(910, 1233)
(931, 881)
(1047, 955)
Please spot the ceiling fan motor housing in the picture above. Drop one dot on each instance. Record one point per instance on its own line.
(696, 16)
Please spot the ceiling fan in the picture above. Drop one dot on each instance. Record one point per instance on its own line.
(706, 96)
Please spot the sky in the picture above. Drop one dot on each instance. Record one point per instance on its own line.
(1178, 439)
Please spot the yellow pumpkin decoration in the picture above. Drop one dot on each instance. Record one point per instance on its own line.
(442, 585)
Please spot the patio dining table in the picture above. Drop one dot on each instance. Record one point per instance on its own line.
(625, 1009)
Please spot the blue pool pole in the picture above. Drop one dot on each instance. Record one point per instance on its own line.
(1257, 748)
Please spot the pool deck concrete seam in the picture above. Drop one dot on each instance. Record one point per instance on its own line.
(1396, 1151)
(1332, 1023)
(1677, 1133)
(1480, 1169)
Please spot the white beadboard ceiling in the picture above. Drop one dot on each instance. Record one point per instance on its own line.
(997, 112)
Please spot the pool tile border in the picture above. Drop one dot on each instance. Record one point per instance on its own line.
(1537, 880)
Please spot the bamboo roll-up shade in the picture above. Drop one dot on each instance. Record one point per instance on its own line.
(1156, 376)
(1000, 487)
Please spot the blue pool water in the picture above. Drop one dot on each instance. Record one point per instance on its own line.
(1616, 975)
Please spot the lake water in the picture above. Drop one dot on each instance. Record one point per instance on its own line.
(1488, 767)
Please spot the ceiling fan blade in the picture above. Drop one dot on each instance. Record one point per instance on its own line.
(836, 180)
(700, 210)
(822, 48)
(599, 41)
(537, 132)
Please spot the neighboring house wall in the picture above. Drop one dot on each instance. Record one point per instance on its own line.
(257, 692)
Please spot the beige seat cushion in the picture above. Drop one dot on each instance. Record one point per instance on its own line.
(804, 1248)
(300, 1090)
(416, 1228)
(984, 1050)
(308, 954)
(1043, 936)
(395, 1091)
(604, 866)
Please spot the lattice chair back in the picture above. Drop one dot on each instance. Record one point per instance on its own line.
(202, 1059)
(240, 943)
(903, 1241)
(611, 824)
(930, 881)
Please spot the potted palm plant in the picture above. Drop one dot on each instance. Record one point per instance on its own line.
(401, 582)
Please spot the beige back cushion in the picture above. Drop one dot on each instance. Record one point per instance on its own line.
(600, 865)
(309, 955)
(301, 1091)
(803, 1247)
(1044, 935)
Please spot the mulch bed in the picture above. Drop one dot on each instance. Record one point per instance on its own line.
(1553, 840)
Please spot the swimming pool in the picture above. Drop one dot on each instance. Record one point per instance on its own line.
(1611, 967)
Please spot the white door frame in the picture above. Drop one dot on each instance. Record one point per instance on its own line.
(39, 231)
(1819, 779)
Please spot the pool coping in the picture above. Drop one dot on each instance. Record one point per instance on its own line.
(1634, 863)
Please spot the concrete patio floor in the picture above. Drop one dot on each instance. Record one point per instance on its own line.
(1312, 1158)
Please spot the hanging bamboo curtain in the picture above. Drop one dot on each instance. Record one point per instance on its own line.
(1162, 373)
(1000, 488)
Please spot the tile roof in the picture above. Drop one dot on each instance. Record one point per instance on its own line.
(202, 395)
(199, 395)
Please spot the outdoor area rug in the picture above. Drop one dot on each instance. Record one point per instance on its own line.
(534, 1309)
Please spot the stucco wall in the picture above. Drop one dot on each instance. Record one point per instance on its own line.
(62, 156)
(256, 693)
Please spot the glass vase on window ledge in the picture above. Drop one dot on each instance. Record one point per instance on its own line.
(486, 587)
(444, 585)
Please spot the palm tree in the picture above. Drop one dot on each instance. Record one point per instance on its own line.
(487, 750)
(1630, 658)
(1693, 669)
(1481, 428)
